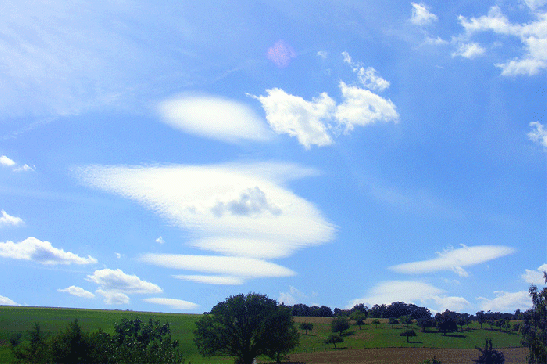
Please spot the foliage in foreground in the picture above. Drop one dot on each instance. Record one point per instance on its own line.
(247, 326)
(534, 329)
(490, 355)
(133, 342)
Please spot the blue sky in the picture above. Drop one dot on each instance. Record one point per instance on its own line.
(162, 157)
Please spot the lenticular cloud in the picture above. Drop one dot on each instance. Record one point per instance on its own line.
(236, 210)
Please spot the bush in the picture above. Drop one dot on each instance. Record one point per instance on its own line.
(490, 355)
(393, 321)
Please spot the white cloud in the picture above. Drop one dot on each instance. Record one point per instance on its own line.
(367, 76)
(77, 291)
(538, 134)
(4, 301)
(228, 266)
(213, 117)
(451, 303)
(535, 4)
(7, 220)
(25, 168)
(160, 241)
(288, 114)
(506, 301)
(415, 292)
(251, 202)
(421, 15)
(172, 303)
(469, 50)
(435, 41)
(314, 122)
(455, 260)
(535, 276)
(114, 297)
(293, 297)
(362, 107)
(8, 162)
(5, 161)
(118, 281)
(188, 196)
(226, 280)
(41, 252)
(323, 54)
(532, 35)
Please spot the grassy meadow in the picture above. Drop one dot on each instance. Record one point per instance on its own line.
(22, 319)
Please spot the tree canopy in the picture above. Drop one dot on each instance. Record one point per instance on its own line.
(246, 326)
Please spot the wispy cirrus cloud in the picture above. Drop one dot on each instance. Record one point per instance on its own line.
(213, 117)
(455, 260)
(172, 303)
(78, 292)
(421, 15)
(240, 210)
(41, 252)
(228, 266)
(211, 279)
(8, 220)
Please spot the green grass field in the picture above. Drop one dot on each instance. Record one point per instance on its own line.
(53, 320)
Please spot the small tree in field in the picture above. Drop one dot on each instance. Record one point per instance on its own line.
(339, 324)
(359, 318)
(376, 322)
(306, 327)
(408, 333)
(334, 339)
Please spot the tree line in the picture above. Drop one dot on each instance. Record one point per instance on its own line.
(252, 325)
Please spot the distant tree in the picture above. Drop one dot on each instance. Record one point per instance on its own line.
(490, 355)
(375, 322)
(534, 327)
(406, 320)
(393, 321)
(461, 320)
(340, 324)
(426, 322)
(334, 339)
(408, 333)
(446, 322)
(246, 326)
(306, 327)
(481, 318)
(359, 318)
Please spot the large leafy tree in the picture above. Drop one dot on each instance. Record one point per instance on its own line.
(246, 326)
(534, 328)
